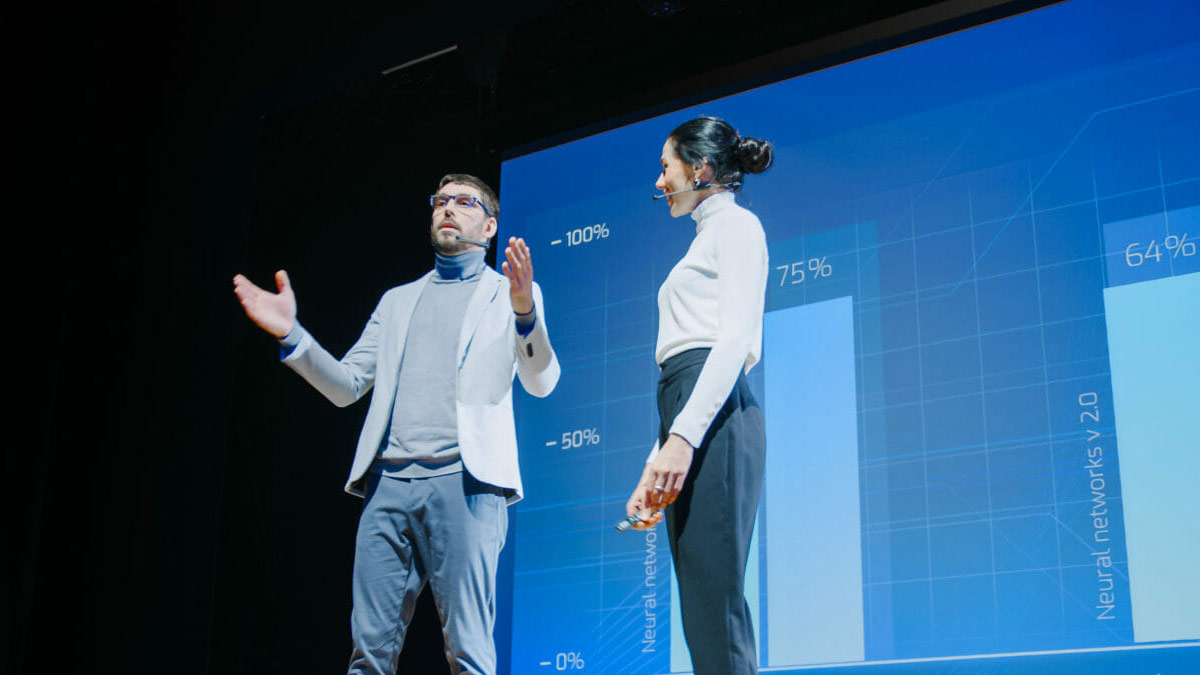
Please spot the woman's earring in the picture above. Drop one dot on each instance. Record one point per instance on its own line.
(696, 182)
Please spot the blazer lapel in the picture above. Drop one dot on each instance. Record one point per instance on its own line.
(401, 319)
(484, 293)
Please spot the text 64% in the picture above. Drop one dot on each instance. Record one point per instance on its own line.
(798, 271)
(1177, 246)
(568, 661)
(579, 438)
(583, 235)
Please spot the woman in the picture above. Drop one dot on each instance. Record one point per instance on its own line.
(706, 469)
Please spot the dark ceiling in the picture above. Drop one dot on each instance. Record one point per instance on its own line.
(557, 66)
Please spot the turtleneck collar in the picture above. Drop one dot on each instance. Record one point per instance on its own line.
(712, 204)
(459, 267)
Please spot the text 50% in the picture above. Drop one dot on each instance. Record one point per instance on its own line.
(796, 273)
(579, 438)
(1176, 245)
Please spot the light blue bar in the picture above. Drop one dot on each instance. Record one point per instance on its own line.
(813, 538)
(1154, 352)
(681, 660)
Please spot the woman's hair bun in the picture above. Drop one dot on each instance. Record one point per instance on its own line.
(711, 140)
(754, 155)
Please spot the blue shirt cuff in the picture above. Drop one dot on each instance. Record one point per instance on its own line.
(289, 342)
(524, 329)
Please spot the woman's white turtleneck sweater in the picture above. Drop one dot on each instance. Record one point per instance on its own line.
(714, 298)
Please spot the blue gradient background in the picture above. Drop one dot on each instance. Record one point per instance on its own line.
(974, 196)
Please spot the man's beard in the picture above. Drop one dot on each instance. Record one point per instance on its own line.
(452, 247)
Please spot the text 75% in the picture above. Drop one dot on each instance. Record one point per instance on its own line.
(795, 272)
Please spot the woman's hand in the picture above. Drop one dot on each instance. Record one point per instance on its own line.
(637, 504)
(667, 472)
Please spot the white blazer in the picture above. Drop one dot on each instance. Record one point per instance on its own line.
(489, 351)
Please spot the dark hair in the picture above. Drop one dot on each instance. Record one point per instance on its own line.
(713, 140)
(488, 195)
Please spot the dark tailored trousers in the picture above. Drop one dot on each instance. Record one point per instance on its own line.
(710, 524)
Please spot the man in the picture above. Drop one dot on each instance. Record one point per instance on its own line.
(437, 456)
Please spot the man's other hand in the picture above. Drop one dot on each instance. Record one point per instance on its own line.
(272, 312)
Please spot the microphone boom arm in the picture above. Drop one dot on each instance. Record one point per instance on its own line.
(732, 184)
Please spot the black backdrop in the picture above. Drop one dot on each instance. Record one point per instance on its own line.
(176, 503)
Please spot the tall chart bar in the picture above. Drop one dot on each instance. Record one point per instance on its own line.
(1154, 351)
(813, 528)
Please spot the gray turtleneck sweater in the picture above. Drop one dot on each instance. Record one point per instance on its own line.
(423, 440)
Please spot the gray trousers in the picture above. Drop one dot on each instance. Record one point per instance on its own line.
(710, 524)
(447, 530)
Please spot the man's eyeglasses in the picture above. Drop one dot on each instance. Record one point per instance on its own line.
(465, 201)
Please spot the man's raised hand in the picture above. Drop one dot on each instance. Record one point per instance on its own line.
(272, 312)
(518, 267)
